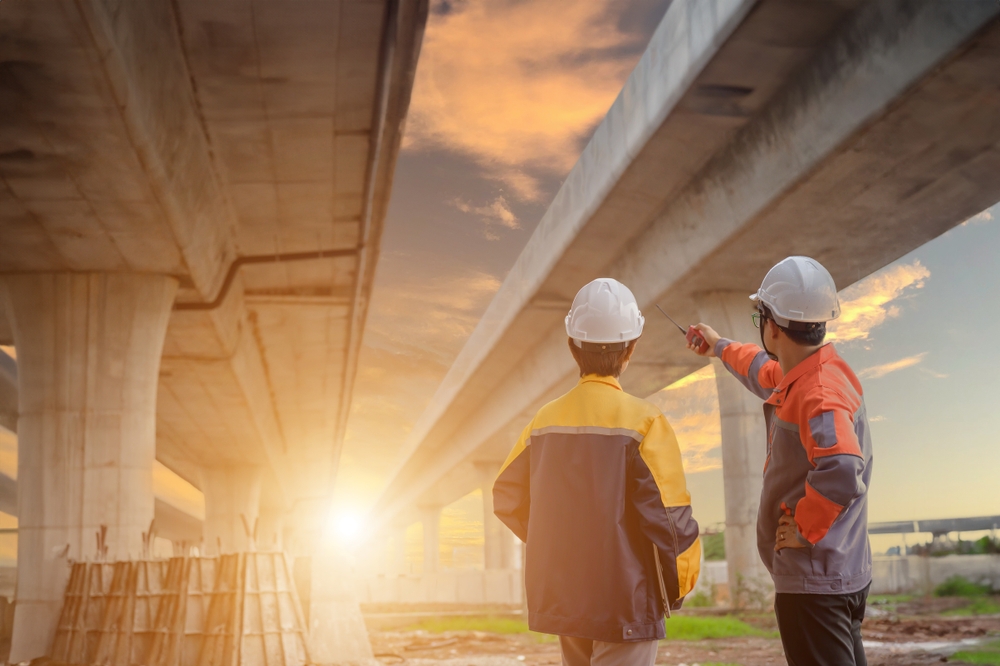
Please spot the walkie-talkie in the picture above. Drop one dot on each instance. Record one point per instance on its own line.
(692, 334)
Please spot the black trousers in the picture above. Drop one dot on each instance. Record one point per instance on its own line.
(822, 629)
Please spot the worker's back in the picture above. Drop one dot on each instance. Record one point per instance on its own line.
(593, 482)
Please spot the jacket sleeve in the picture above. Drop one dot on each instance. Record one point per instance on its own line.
(751, 365)
(512, 490)
(658, 491)
(832, 446)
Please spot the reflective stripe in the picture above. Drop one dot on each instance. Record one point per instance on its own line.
(588, 430)
(823, 430)
(785, 424)
(751, 380)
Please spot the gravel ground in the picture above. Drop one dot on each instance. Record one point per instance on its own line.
(893, 641)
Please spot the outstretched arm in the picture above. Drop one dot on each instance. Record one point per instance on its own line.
(747, 362)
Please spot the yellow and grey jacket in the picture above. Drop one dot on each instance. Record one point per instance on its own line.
(596, 489)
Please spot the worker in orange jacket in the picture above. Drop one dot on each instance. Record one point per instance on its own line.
(812, 525)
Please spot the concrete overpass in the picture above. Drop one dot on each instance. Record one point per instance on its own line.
(191, 202)
(750, 130)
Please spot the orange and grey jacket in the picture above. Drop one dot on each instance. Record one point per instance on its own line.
(818, 468)
(596, 489)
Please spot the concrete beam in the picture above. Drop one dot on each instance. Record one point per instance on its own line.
(175, 524)
(404, 33)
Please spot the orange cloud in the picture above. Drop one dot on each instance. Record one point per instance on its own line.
(691, 405)
(415, 329)
(981, 218)
(518, 85)
(869, 303)
(877, 371)
(497, 212)
(436, 312)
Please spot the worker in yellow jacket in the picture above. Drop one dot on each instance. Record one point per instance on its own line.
(596, 489)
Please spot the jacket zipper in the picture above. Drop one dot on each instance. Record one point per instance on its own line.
(663, 586)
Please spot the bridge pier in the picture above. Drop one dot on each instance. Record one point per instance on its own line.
(232, 496)
(396, 553)
(326, 579)
(497, 544)
(430, 518)
(271, 529)
(744, 448)
(88, 354)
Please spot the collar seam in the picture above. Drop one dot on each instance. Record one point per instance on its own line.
(599, 380)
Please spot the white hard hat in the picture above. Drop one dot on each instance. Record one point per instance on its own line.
(604, 311)
(799, 289)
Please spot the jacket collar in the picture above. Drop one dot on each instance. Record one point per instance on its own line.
(598, 379)
(808, 366)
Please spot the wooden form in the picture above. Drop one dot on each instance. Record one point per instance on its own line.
(234, 610)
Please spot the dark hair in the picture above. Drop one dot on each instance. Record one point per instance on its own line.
(604, 364)
(807, 334)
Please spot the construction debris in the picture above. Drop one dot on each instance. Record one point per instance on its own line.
(234, 610)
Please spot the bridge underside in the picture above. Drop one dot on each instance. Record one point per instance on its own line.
(191, 197)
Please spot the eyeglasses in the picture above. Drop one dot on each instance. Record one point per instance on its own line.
(758, 318)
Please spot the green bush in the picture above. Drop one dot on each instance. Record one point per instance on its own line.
(985, 546)
(700, 600)
(714, 546)
(959, 586)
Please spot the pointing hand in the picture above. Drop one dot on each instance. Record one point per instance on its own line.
(709, 335)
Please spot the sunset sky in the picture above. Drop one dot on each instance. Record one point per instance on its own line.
(507, 93)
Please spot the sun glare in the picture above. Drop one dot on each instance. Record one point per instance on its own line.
(346, 527)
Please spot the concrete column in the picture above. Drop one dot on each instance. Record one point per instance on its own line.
(430, 517)
(497, 545)
(337, 632)
(232, 503)
(396, 553)
(744, 448)
(88, 351)
(271, 529)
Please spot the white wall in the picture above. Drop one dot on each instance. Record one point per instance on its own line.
(498, 586)
(914, 574)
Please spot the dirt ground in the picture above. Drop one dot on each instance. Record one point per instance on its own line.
(891, 640)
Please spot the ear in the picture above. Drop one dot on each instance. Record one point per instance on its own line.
(630, 349)
(773, 329)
